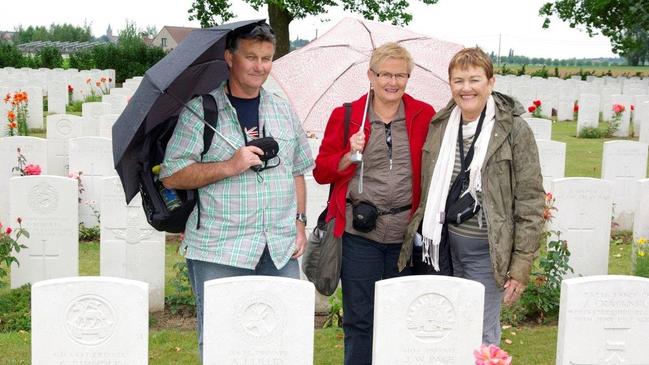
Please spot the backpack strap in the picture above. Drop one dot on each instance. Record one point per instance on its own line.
(211, 116)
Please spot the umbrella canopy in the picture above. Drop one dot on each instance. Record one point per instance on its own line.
(195, 67)
(332, 69)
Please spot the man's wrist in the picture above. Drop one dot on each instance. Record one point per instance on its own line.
(300, 217)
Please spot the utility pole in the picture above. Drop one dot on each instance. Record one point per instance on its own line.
(499, 39)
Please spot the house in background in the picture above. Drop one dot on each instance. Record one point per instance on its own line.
(168, 37)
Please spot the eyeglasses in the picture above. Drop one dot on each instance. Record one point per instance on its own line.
(387, 76)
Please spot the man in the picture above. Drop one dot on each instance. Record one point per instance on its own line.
(251, 222)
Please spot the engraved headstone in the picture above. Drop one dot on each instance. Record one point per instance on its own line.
(258, 320)
(552, 156)
(588, 116)
(35, 107)
(106, 122)
(57, 97)
(542, 128)
(130, 247)
(91, 113)
(642, 113)
(60, 129)
(583, 218)
(93, 156)
(48, 208)
(90, 320)
(33, 149)
(604, 320)
(623, 163)
(427, 320)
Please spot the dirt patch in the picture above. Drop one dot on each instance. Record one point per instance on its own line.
(183, 320)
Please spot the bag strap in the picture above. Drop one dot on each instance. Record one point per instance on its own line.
(211, 116)
(460, 140)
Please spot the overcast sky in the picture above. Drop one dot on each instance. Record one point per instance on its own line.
(468, 22)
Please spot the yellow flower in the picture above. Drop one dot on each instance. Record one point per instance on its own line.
(642, 241)
(641, 253)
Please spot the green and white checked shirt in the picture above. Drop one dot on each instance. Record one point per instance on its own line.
(240, 215)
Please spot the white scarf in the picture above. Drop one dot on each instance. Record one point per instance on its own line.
(441, 180)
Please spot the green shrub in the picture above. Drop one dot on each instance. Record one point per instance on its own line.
(10, 55)
(15, 312)
(89, 234)
(335, 315)
(590, 132)
(542, 72)
(182, 299)
(49, 57)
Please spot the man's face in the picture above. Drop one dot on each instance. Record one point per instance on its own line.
(250, 64)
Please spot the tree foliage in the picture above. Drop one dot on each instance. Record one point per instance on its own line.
(624, 22)
(50, 57)
(282, 12)
(56, 32)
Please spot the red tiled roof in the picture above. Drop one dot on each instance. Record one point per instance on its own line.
(179, 33)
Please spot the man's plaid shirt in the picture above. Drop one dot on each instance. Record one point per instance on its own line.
(242, 214)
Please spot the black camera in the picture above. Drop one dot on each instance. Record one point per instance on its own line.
(270, 147)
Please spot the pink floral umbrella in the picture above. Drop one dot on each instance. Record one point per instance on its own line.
(332, 69)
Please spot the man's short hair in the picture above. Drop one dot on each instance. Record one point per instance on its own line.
(258, 32)
(472, 57)
(390, 50)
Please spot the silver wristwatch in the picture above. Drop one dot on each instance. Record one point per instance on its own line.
(301, 217)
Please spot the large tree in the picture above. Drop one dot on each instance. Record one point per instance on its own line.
(282, 12)
(624, 22)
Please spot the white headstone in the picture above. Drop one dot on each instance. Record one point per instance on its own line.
(117, 102)
(57, 97)
(641, 221)
(542, 128)
(552, 156)
(91, 113)
(35, 107)
(34, 150)
(604, 320)
(60, 129)
(642, 113)
(93, 156)
(583, 218)
(258, 320)
(623, 163)
(427, 320)
(48, 208)
(588, 116)
(106, 122)
(130, 247)
(90, 320)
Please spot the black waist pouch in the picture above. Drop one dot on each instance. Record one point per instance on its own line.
(365, 215)
(459, 208)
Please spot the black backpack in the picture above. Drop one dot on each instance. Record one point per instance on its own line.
(155, 210)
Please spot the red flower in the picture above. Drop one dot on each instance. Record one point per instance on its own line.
(110, 79)
(548, 196)
(632, 107)
(70, 89)
(11, 116)
(9, 230)
(537, 103)
(531, 109)
(575, 109)
(32, 170)
(19, 220)
(618, 108)
(13, 125)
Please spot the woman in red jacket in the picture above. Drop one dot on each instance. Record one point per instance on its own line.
(372, 202)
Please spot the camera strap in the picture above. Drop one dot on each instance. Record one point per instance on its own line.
(465, 161)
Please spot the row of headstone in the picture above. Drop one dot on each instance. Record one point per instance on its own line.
(90, 155)
(48, 207)
(269, 320)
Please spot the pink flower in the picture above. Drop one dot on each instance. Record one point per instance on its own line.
(32, 170)
(618, 108)
(73, 175)
(9, 230)
(491, 355)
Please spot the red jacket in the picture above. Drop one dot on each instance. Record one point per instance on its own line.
(418, 117)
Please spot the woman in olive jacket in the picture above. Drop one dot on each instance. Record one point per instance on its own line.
(498, 244)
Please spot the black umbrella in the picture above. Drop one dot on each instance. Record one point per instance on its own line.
(195, 67)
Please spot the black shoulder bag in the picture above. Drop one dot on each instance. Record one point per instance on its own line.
(460, 208)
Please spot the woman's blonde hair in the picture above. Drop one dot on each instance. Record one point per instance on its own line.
(390, 50)
(471, 57)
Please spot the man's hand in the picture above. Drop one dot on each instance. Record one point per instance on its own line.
(513, 291)
(245, 158)
(300, 240)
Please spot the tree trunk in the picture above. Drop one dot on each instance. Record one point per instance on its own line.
(280, 19)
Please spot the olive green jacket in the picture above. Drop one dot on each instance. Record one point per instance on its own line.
(513, 196)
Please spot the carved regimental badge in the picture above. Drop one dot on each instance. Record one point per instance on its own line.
(43, 198)
(90, 320)
(262, 316)
(431, 317)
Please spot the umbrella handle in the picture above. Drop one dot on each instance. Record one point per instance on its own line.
(357, 157)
